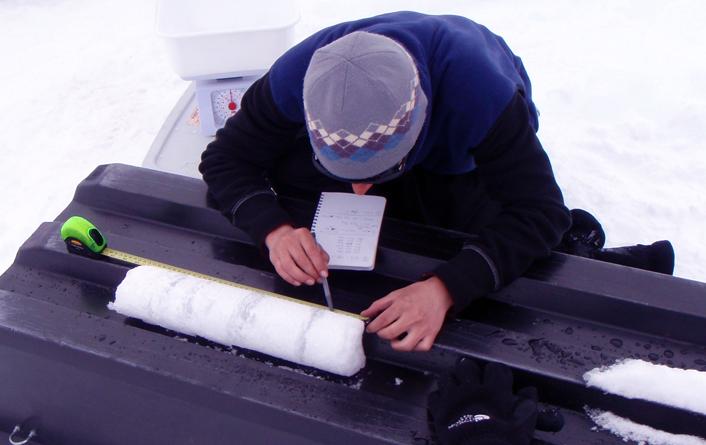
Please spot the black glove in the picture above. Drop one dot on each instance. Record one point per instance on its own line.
(585, 235)
(470, 408)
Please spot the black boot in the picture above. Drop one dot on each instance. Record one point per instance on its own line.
(586, 238)
(657, 257)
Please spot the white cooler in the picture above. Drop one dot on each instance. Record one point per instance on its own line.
(218, 39)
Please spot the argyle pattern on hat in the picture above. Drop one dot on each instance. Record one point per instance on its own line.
(342, 143)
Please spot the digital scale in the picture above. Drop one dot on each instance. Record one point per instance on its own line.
(222, 46)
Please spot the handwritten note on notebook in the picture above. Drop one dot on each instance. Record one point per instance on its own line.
(348, 228)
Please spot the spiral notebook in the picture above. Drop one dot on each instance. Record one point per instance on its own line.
(348, 228)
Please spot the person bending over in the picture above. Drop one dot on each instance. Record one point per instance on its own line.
(434, 113)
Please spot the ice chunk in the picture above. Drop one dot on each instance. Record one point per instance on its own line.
(637, 379)
(230, 315)
(642, 434)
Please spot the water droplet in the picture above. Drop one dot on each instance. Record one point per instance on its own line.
(568, 331)
(509, 341)
(647, 346)
(618, 343)
(652, 356)
(101, 337)
(596, 348)
(668, 353)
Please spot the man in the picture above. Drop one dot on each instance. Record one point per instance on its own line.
(434, 113)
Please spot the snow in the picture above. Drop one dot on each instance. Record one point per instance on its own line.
(682, 388)
(619, 86)
(248, 318)
(631, 431)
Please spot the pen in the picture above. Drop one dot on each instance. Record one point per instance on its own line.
(327, 294)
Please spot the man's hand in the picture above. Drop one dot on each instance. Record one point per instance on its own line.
(296, 255)
(417, 310)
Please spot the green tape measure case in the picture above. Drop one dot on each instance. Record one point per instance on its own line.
(82, 237)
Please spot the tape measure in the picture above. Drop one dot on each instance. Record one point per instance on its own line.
(84, 238)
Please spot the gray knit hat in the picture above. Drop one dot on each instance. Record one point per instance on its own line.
(364, 105)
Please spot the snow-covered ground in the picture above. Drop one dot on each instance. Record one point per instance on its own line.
(620, 85)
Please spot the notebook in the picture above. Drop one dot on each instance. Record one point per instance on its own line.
(348, 228)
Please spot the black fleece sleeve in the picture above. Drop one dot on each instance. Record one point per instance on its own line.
(234, 165)
(516, 172)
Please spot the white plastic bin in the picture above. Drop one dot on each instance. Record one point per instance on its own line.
(216, 39)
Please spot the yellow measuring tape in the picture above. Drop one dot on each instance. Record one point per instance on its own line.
(138, 260)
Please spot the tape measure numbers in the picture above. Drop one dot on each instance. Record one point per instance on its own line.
(84, 238)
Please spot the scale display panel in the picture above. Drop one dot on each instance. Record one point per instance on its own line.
(218, 100)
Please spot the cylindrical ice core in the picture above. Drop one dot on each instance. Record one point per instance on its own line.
(229, 315)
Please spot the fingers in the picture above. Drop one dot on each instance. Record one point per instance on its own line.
(283, 273)
(425, 344)
(302, 267)
(290, 265)
(296, 256)
(414, 340)
(408, 343)
(386, 318)
(410, 317)
(392, 323)
(394, 330)
(377, 307)
(318, 256)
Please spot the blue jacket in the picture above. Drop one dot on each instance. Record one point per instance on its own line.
(478, 166)
(469, 73)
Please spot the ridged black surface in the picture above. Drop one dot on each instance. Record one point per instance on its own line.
(92, 377)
